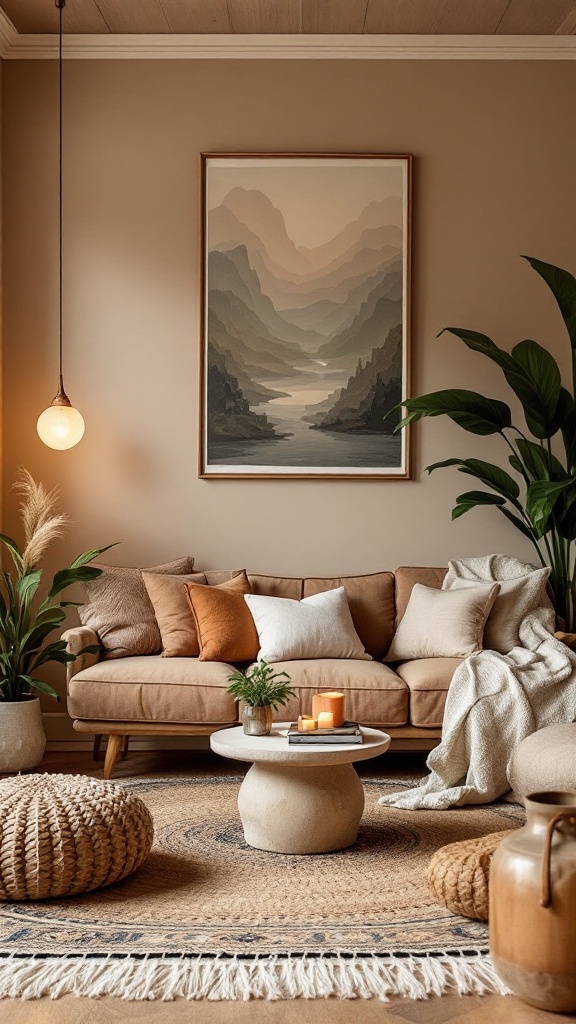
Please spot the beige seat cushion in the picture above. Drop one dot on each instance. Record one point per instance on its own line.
(428, 680)
(153, 689)
(406, 576)
(371, 602)
(375, 694)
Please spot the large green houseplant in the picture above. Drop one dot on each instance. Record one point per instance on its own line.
(27, 619)
(543, 505)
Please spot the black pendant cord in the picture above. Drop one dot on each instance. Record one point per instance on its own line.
(60, 5)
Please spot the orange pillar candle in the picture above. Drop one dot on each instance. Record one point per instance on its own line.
(325, 720)
(306, 724)
(329, 701)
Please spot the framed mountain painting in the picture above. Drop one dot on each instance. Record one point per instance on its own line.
(306, 316)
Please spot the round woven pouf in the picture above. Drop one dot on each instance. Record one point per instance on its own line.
(62, 835)
(458, 875)
(545, 760)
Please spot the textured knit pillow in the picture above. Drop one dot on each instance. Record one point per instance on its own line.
(442, 623)
(173, 614)
(225, 628)
(319, 626)
(121, 612)
(516, 599)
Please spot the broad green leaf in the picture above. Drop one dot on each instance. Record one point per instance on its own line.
(91, 649)
(566, 413)
(40, 685)
(486, 472)
(89, 556)
(541, 498)
(13, 549)
(538, 462)
(470, 499)
(27, 585)
(66, 577)
(531, 372)
(563, 287)
(471, 411)
(517, 522)
(537, 384)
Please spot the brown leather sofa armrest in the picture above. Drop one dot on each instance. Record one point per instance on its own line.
(77, 638)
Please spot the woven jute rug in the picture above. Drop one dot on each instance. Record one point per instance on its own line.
(207, 916)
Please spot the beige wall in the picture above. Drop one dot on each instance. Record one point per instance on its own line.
(494, 177)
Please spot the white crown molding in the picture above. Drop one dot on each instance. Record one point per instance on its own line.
(14, 46)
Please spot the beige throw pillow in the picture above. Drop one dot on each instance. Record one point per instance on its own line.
(120, 611)
(319, 626)
(516, 599)
(442, 623)
(173, 614)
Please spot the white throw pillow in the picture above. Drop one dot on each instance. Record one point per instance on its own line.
(319, 626)
(442, 623)
(516, 599)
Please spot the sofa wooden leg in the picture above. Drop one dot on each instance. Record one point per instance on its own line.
(125, 746)
(96, 747)
(112, 751)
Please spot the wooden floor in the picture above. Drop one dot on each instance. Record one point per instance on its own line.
(70, 1010)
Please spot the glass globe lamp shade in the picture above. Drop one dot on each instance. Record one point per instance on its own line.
(60, 426)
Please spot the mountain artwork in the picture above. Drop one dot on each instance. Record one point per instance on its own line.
(305, 348)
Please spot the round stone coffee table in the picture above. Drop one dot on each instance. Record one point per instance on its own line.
(299, 798)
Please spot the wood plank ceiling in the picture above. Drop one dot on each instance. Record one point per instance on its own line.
(402, 17)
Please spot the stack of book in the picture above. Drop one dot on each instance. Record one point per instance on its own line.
(348, 732)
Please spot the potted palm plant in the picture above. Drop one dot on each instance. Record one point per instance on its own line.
(542, 503)
(27, 620)
(261, 689)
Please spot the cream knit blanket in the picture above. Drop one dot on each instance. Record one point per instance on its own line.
(494, 701)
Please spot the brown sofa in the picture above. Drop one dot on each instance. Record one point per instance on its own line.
(152, 695)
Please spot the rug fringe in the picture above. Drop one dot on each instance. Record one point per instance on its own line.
(237, 978)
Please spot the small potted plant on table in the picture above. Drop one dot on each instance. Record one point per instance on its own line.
(262, 690)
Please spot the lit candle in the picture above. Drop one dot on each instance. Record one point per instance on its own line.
(329, 701)
(306, 723)
(325, 720)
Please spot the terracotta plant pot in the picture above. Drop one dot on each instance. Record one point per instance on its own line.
(257, 721)
(22, 736)
(533, 904)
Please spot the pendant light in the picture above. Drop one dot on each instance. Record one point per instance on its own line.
(60, 426)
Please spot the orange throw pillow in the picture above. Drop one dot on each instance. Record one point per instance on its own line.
(226, 630)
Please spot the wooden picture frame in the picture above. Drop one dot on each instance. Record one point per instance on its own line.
(305, 340)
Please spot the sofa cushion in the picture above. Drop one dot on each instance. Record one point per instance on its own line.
(277, 586)
(120, 611)
(319, 626)
(406, 576)
(225, 628)
(428, 680)
(442, 623)
(374, 694)
(172, 610)
(153, 689)
(371, 603)
(517, 597)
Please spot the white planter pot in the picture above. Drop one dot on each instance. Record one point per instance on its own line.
(22, 737)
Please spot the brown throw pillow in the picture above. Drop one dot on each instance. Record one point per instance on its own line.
(226, 630)
(173, 614)
(120, 611)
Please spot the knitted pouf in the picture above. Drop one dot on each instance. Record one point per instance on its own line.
(458, 875)
(545, 760)
(61, 835)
